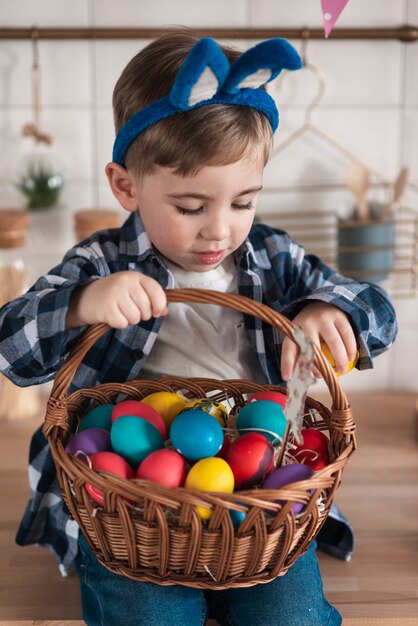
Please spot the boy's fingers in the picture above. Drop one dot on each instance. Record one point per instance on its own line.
(289, 353)
(337, 348)
(116, 319)
(156, 296)
(348, 337)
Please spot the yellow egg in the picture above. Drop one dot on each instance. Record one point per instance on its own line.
(167, 403)
(331, 361)
(210, 406)
(210, 474)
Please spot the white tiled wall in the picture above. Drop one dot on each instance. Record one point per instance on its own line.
(370, 106)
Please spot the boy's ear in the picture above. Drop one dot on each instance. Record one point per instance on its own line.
(121, 184)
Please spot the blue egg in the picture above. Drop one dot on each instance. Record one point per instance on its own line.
(262, 416)
(100, 417)
(237, 517)
(196, 434)
(134, 438)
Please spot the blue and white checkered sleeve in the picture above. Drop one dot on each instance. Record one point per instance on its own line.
(33, 338)
(368, 306)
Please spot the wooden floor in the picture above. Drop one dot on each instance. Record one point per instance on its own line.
(379, 494)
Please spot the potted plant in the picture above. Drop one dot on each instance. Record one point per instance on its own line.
(42, 185)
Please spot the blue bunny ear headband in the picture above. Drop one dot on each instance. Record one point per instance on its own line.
(207, 78)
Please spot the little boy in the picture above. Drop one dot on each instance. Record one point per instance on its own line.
(188, 168)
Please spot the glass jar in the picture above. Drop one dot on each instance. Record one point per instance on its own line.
(16, 403)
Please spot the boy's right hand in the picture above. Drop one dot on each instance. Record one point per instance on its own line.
(118, 300)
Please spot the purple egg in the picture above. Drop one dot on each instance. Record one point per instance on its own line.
(90, 441)
(285, 475)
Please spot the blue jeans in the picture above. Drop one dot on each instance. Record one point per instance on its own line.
(295, 599)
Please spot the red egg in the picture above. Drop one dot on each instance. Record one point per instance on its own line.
(273, 396)
(140, 409)
(251, 458)
(314, 449)
(108, 462)
(225, 447)
(166, 467)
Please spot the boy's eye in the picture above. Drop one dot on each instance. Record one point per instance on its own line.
(184, 211)
(247, 206)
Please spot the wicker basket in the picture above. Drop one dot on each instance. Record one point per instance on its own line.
(153, 533)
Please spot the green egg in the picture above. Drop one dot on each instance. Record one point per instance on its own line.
(134, 438)
(100, 417)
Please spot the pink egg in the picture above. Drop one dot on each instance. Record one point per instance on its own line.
(166, 467)
(273, 396)
(140, 409)
(108, 462)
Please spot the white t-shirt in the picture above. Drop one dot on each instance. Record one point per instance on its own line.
(203, 339)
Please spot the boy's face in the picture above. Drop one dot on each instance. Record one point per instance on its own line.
(197, 221)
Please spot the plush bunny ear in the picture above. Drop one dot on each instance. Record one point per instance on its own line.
(203, 70)
(260, 64)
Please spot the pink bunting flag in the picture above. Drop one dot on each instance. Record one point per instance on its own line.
(331, 11)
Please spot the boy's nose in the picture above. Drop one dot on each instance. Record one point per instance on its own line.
(215, 229)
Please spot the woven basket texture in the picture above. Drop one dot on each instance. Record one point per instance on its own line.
(149, 532)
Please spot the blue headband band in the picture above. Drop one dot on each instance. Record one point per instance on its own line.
(206, 78)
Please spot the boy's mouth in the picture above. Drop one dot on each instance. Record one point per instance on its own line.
(210, 257)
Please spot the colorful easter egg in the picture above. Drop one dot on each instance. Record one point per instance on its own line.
(196, 434)
(251, 458)
(134, 438)
(210, 474)
(99, 417)
(237, 517)
(262, 416)
(107, 462)
(140, 409)
(216, 409)
(284, 476)
(331, 360)
(314, 449)
(273, 396)
(167, 404)
(90, 441)
(166, 467)
(225, 446)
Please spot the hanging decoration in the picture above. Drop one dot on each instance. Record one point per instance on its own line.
(331, 11)
(33, 129)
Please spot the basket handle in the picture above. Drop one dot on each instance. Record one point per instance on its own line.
(56, 403)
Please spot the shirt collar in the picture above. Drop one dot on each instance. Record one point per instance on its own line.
(250, 258)
(134, 242)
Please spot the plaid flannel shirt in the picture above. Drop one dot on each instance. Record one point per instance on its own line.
(271, 268)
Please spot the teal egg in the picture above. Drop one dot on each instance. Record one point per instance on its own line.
(262, 416)
(100, 417)
(196, 434)
(134, 438)
(237, 517)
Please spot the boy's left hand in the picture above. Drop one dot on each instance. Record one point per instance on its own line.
(321, 322)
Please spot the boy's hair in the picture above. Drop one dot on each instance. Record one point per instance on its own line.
(210, 135)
